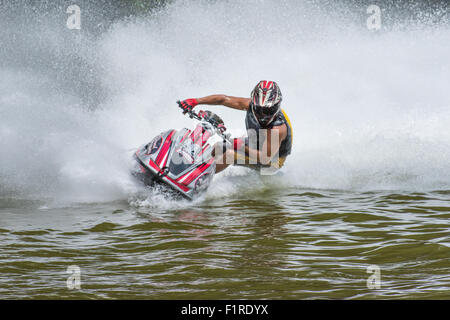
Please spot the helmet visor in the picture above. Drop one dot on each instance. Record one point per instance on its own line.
(265, 114)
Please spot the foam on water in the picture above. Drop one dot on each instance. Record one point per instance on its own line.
(369, 110)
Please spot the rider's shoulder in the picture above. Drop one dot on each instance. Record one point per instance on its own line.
(245, 103)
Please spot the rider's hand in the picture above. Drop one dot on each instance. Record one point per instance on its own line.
(188, 104)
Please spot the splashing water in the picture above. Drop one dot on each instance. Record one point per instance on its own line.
(369, 110)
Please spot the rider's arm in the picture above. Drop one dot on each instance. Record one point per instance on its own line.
(265, 157)
(231, 102)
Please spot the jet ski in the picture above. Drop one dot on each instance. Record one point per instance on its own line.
(182, 160)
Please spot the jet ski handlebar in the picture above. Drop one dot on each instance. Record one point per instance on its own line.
(209, 117)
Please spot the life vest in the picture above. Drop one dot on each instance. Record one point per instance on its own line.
(281, 118)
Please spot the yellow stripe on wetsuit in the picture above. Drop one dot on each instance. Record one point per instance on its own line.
(289, 124)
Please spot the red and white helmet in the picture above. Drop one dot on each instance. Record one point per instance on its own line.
(265, 101)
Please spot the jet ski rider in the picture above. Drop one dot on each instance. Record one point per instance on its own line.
(265, 121)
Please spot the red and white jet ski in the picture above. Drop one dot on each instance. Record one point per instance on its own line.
(183, 159)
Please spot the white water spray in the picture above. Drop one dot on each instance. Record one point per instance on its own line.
(369, 110)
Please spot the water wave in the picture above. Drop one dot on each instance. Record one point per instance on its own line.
(370, 110)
